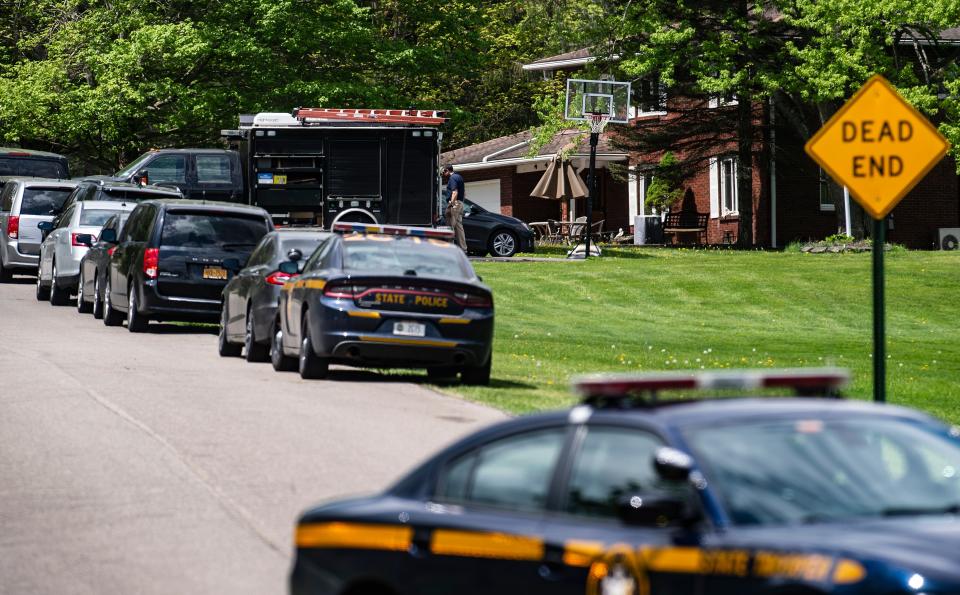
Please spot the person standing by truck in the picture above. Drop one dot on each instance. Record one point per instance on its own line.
(454, 210)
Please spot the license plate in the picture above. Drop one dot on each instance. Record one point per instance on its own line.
(409, 329)
(215, 273)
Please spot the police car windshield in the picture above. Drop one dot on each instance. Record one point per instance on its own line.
(403, 256)
(774, 472)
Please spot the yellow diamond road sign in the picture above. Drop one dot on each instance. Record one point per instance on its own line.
(878, 146)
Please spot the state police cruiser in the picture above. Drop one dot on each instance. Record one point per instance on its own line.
(629, 494)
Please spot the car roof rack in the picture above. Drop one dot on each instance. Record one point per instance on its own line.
(643, 389)
(394, 230)
(308, 115)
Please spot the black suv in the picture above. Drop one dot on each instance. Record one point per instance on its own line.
(205, 174)
(101, 189)
(174, 257)
(31, 164)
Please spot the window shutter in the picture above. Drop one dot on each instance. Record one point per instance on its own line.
(714, 188)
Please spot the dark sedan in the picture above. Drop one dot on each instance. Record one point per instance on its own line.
(250, 299)
(94, 266)
(493, 233)
(386, 296)
(631, 494)
(174, 257)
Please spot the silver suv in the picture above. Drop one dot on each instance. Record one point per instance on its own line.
(24, 203)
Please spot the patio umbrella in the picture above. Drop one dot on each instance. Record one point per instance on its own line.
(560, 181)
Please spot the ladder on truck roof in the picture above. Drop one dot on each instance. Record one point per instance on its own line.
(384, 116)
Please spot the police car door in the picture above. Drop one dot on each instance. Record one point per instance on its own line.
(482, 530)
(590, 548)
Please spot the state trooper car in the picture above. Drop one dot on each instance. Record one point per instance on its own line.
(629, 494)
(385, 296)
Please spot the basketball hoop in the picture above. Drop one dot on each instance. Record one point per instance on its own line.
(598, 121)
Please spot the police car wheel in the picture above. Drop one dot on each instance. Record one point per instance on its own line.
(280, 361)
(311, 366)
(479, 375)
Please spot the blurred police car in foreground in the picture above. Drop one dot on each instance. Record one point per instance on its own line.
(631, 494)
(386, 296)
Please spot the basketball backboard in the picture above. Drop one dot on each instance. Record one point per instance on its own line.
(586, 97)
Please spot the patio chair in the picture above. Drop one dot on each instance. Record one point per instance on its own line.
(577, 230)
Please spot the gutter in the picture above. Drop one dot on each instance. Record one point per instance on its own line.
(480, 165)
(506, 150)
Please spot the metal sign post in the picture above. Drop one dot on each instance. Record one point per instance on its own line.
(879, 146)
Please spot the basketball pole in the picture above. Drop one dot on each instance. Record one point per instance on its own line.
(594, 137)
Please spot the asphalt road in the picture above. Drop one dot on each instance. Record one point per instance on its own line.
(148, 464)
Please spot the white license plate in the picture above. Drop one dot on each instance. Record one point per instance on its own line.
(409, 329)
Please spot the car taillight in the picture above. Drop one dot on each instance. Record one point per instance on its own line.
(474, 300)
(13, 227)
(151, 260)
(278, 278)
(339, 291)
(74, 242)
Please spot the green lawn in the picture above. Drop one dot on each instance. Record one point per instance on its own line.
(666, 309)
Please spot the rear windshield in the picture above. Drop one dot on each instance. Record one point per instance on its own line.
(124, 195)
(33, 167)
(212, 230)
(396, 256)
(95, 216)
(43, 201)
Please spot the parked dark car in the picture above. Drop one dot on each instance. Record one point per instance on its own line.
(207, 174)
(95, 264)
(493, 233)
(174, 257)
(251, 298)
(28, 163)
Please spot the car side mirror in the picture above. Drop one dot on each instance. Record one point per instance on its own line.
(289, 267)
(109, 236)
(141, 178)
(45, 226)
(294, 255)
(84, 239)
(672, 465)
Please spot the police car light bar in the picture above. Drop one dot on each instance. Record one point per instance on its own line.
(386, 116)
(394, 230)
(804, 380)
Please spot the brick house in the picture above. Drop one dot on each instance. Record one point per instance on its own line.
(792, 198)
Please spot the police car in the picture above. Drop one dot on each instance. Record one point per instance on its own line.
(386, 296)
(628, 494)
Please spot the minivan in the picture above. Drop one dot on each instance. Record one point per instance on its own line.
(174, 257)
(24, 204)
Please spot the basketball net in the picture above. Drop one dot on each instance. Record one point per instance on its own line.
(598, 121)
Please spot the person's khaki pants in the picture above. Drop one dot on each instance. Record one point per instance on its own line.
(454, 215)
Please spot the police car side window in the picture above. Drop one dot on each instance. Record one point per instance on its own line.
(611, 463)
(512, 473)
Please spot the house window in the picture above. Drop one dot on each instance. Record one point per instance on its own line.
(725, 99)
(649, 96)
(729, 204)
(826, 201)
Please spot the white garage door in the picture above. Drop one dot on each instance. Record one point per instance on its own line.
(485, 193)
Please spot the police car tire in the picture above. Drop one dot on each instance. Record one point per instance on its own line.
(311, 366)
(281, 362)
(477, 376)
(224, 347)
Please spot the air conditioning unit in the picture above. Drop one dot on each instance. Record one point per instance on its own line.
(949, 238)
